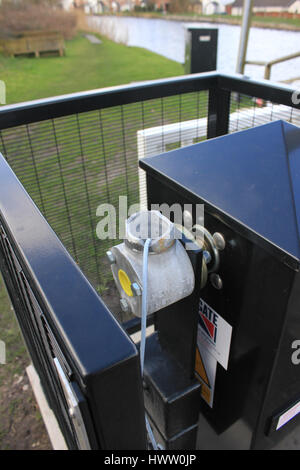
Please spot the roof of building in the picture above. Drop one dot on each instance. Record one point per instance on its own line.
(265, 3)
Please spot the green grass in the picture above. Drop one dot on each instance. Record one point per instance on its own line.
(84, 67)
(16, 352)
(260, 19)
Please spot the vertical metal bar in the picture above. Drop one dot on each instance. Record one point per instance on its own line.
(218, 112)
(3, 146)
(180, 104)
(247, 12)
(35, 171)
(198, 114)
(87, 197)
(104, 155)
(253, 116)
(162, 123)
(267, 73)
(64, 191)
(124, 150)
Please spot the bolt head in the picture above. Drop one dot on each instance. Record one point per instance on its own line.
(124, 305)
(207, 256)
(136, 289)
(216, 281)
(219, 241)
(111, 257)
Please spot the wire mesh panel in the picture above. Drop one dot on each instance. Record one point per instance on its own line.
(72, 165)
(248, 111)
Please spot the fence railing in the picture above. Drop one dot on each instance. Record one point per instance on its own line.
(269, 64)
(72, 153)
(75, 152)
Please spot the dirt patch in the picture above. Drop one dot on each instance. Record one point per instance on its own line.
(21, 424)
(22, 427)
(111, 298)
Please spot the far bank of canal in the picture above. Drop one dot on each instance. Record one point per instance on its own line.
(167, 38)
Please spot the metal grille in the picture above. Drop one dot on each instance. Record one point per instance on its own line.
(70, 165)
(248, 111)
(38, 345)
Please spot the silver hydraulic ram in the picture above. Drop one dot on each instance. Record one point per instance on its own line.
(170, 272)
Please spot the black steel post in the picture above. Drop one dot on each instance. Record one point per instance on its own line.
(218, 112)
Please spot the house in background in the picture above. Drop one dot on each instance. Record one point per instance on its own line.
(268, 6)
(213, 7)
(216, 7)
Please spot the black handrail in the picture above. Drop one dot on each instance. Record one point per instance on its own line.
(62, 316)
(64, 105)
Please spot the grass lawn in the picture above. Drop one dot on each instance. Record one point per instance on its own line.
(85, 66)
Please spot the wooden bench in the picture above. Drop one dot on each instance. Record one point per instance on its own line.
(34, 42)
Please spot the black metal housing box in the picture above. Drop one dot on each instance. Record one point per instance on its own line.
(249, 183)
(201, 45)
(172, 399)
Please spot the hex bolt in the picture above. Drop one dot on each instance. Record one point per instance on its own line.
(111, 257)
(124, 305)
(207, 256)
(219, 241)
(136, 289)
(216, 281)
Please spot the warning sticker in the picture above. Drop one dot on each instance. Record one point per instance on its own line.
(288, 415)
(205, 368)
(214, 333)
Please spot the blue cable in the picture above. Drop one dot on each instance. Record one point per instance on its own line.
(144, 326)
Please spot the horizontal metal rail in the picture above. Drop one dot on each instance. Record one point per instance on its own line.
(268, 65)
(64, 105)
(74, 103)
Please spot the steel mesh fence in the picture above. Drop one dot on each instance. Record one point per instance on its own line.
(248, 111)
(70, 165)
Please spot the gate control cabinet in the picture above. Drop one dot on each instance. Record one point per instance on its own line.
(201, 47)
(249, 310)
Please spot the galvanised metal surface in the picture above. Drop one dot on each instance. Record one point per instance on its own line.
(248, 183)
(62, 318)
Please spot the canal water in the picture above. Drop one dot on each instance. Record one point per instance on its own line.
(167, 38)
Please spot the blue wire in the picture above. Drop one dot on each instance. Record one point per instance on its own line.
(144, 326)
(144, 303)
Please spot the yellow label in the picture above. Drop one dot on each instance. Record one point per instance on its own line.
(125, 282)
(200, 368)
